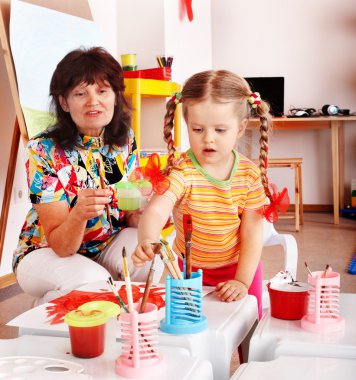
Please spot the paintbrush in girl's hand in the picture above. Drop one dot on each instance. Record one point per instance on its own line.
(172, 259)
(188, 229)
(102, 185)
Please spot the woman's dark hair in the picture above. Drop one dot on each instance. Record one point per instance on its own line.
(88, 66)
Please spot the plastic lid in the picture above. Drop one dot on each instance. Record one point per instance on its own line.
(91, 314)
(78, 318)
(124, 185)
(111, 309)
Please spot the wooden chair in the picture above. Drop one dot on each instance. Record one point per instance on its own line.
(296, 165)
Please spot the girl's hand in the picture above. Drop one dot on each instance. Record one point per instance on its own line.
(143, 252)
(231, 290)
(91, 203)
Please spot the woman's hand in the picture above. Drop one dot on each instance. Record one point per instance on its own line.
(143, 252)
(231, 290)
(91, 203)
(133, 217)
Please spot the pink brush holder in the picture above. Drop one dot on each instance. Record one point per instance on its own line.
(139, 355)
(324, 296)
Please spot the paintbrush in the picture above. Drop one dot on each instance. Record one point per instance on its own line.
(148, 286)
(326, 270)
(188, 229)
(102, 185)
(127, 281)
(115, 291)
(172, 259)
(309, 271)
(158, 249)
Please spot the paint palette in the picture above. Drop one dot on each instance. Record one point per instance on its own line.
(36, 367)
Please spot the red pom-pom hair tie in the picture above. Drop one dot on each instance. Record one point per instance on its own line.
(279, 203)
(152, 172)
(177, 98)
(254, 99)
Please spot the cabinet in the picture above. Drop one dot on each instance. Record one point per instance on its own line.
(139, 88)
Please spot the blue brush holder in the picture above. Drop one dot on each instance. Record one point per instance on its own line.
(184, 305)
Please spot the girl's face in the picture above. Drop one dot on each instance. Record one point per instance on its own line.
(213, 129)
(91, 106)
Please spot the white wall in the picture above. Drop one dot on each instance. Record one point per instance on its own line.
(311, 44)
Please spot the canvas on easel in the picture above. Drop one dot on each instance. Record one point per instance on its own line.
(40, 31)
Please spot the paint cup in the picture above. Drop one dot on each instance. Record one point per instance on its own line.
(128, 62)
(87, 327)
(133, 195)
(112, 310)
(129, 197)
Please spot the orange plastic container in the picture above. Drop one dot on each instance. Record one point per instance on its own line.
(288, 305)
(159, 73)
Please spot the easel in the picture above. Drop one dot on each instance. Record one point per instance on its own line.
(78, 8)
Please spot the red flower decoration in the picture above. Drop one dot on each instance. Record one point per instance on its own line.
(280, 203)
(152, 172)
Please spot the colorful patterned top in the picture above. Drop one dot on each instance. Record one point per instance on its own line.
(215, 206)
(54, 174)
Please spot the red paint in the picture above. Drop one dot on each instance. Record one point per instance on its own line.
(87, 342)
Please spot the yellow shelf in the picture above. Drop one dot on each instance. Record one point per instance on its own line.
(138, 88)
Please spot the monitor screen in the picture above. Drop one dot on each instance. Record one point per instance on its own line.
(271, 90)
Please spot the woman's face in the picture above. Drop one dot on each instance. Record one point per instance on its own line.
(91, 106)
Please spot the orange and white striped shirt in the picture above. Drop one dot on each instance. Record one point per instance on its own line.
(215, 207)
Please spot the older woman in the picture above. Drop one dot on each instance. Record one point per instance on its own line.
(74, 233)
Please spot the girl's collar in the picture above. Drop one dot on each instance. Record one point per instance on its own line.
(202, 171)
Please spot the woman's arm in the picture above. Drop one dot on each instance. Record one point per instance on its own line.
(152, 221)
(64, 228)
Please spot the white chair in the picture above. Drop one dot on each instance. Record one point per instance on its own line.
(290, 254)
(270, 238)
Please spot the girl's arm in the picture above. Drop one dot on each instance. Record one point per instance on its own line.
(153, 219)
(251, 234)
(64, 228)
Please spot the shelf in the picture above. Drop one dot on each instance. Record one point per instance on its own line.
(137, 88)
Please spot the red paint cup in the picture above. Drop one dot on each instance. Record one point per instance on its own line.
(86, 332)
(287, 301)
(87, 327)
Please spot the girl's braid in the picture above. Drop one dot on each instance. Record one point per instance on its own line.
(167, 132)
(262, 112)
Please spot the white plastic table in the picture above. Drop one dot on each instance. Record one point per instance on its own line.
(274, 337)
(297, 368)
(178, 363)
(228, 325)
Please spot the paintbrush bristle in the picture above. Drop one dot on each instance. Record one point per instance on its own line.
(123, 252)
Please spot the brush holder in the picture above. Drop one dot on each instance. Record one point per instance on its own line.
(324, 296)
(184, 305)
(139, 356)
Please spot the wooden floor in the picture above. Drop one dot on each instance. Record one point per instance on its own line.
(320, 242)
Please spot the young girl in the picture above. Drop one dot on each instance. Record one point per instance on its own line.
(223, 191)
